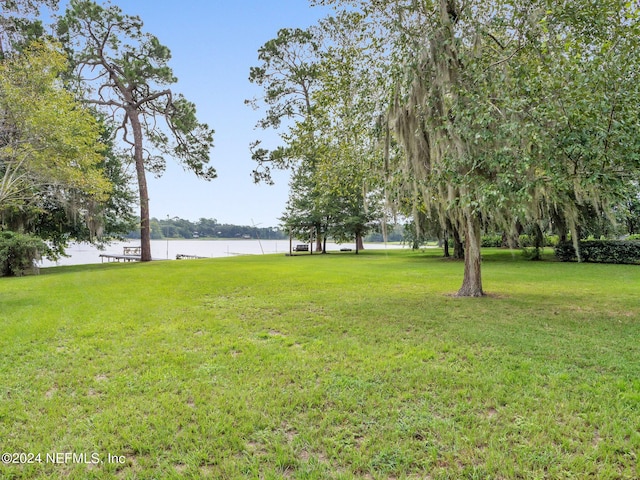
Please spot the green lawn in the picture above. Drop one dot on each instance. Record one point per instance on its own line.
(320, 367)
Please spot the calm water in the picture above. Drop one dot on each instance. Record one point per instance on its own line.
(83, 253)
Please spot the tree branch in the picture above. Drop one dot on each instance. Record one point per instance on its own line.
(152, 97)
(105, 103)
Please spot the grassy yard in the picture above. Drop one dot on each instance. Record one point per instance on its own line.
(322, 367)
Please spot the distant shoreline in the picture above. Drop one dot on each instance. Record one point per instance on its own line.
(169, 248)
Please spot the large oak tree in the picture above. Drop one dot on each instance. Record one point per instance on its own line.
(511, 112)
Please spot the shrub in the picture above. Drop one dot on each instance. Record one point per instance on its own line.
(530, 241)
(18, 253)
(565, 252)
(601, 251)
(489, 241)
(524, 241)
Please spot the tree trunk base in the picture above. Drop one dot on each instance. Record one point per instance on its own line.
(470, 293)
(472, 283)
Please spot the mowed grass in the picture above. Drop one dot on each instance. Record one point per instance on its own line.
(322, 367)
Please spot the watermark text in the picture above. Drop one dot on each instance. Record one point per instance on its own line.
(61, 458)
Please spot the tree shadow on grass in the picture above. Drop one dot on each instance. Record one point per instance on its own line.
(94, 267)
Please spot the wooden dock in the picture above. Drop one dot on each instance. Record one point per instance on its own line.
(129, 254)
(133, 254)
(112, 257)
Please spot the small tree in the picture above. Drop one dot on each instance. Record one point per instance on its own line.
(306, 212)
(18, 253)
(125, 71)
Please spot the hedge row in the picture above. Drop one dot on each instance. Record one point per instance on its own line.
(601, 251)
(489, 241)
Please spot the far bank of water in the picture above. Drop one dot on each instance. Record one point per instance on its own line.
(82, 253)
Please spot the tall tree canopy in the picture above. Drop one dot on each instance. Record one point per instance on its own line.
(126, 72)
(59, 176)
(288, 74)
(509, 112)
(48, 141)
(315, 93)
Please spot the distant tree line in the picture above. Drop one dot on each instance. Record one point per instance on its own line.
(207, 228)
(210, 228)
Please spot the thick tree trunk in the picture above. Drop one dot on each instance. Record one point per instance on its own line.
(359, 242)
(458, 247)
(145, 230)
(472, 283)
(560, 226)
(538, 242)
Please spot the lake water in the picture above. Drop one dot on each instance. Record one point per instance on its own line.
(83, 253)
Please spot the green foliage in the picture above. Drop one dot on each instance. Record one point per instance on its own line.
(491, 241)
(565, 252)
(392, 233)
(529, 241)
(307, 212)
(421, 229)
(25, 6)
(601, 251)
(335, 191)
(524, 241)
(627, 211)
(47, 139)
(19, 23)
(60, 177)
(115, 217)
(19, 252)
(413, 236)
(288, 74)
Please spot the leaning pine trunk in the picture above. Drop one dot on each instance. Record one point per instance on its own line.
(472, 283)
(145, 230)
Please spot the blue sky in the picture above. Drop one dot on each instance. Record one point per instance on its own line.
(213, 45)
